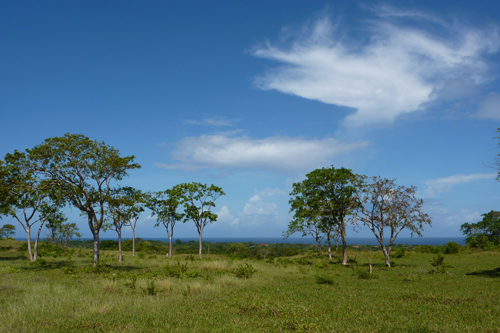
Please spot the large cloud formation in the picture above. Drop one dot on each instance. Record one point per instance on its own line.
(401, 67)
(278, 152)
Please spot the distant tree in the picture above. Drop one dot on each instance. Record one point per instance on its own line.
(387, 206)
(327, 197)
(60, 231)
(198, 200)
(308, 226)
(31, 198)
(124, 208)
(485, 233)
(83, 170)
(165, 206)
(7, 230)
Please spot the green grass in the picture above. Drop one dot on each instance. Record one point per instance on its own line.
(146, 295)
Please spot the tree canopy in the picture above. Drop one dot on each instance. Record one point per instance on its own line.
(83, 171)
(485, 233)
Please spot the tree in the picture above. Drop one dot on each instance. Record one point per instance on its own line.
(309, 225)
(59, 231)
(83, 170)
(387, 206)
(165, 206)
(30, 199)
(8, 230)
(485, 233)
(124, 209)
(198, 200)
(325, 196)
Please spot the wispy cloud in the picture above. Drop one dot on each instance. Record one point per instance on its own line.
(489, 107)
(225, 216)
(400, 68)
(436, 186)
(223, 151)
(217, 121)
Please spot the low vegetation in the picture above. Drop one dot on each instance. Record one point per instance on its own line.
(428, 289)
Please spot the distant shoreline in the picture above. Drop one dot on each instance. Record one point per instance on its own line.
(306, 240)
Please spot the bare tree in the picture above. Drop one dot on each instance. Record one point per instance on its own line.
(385, 206)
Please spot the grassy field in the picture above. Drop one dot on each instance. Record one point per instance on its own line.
(217, 294)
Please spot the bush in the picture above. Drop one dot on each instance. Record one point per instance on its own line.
(176, 270)
(320, 279)
(452, 248)
(365, 275)
(245, 271)
(400, 253)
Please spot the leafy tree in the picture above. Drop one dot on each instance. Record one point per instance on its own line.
(165, 206)
(83, 170)
(387, 206)
(8, 230)
(59, 231)
(124, 208)
(485, 233)
(30, 197)
(308, 225)
(327, 197)
(198, 200)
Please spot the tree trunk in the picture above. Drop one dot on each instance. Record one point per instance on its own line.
(344, 247)
(170, 247)
(120, 257)
(329, 247)
(95, 261)
(35, 254)
(319, 245)
(387, 256)
(133, 242)
(201, 246)
(28, 234)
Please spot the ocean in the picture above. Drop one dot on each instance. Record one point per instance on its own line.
(310, 240)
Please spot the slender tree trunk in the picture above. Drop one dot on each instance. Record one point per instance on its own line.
(387, 255)
(120, 256)
(133, 242)
(201, 246)
(170, 247)
(28, 234)
(371, 271)
(344, 246)
(319, 245)
(329, 247)
(95, 261)
(35, 254)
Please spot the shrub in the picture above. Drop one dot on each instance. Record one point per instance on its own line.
(245, 271)
(365, 275)
(400, 253)
(150, 288)
(320, 279)
(451, 248)
(176, 270)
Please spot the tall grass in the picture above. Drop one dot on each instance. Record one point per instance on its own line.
(68, 295)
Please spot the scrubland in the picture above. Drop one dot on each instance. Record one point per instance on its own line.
(304, 293)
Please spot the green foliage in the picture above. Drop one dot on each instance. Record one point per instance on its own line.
(323, 279)
(245, 271)
(452, 248)
(400, 252)
(484, 232)
(176, 270)
(364, 274)
(7, 230)
(437, 261)
(151, 289)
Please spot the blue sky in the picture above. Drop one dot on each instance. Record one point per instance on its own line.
(252, 95)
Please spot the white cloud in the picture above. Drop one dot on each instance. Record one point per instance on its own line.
(394, 73)
(217, 121)
(277, 152)
(489, 107)
(436, 186)
(272, 191)
(225, 216)
(258, 212)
